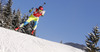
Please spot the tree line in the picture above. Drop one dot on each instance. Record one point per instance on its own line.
(11, 19)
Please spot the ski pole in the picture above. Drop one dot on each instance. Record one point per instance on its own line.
(43, 4)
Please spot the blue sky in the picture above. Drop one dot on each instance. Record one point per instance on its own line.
(66, 20)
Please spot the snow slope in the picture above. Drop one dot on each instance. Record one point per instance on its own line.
(12, 41)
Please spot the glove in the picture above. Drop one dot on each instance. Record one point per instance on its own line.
(43, 12)
(31, 10)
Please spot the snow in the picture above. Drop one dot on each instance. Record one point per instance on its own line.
(12, 41)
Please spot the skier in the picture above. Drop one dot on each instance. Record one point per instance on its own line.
(33, 17)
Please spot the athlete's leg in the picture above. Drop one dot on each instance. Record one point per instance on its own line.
(31, 18)
(35, 25)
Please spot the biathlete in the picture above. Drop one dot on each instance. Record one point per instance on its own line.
(33, 17)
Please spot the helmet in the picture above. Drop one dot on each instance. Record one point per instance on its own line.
(41, 8)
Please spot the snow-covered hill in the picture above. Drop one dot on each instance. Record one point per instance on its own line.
(12, 41)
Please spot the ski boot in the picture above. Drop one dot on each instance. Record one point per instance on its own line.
(16, 28)
(32, 32)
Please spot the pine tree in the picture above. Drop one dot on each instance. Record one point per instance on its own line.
(0, 14)
(92, 40)
(7, 15)
(16, 19)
